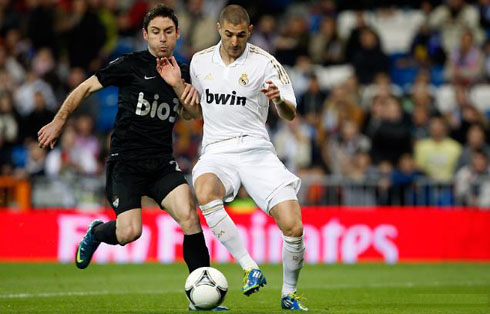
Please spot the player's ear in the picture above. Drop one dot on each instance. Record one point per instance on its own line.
(218, 27)
(178, 32)
(250, 28)
(145, 34)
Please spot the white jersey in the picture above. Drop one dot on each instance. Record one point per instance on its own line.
(231, 100)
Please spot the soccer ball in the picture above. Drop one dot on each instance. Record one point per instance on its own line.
(206, 288)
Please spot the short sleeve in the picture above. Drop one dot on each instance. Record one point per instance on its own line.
(194, 80)
(276, 73)
(118, 72)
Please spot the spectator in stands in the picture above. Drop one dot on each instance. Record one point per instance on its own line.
(437, 156)
(469, 116)
(293, 144)
(472, 182)
(12, 66)
(82, 25)
(338, 107)
(382, 86)
(475, 141)
(451, 19)
(85, 140)
(293, 41)
(301, 74)
(392, 137)
(24, 95)
(197, 29)
(403, 181)
(369, 59)
(344, 146)
(360, 186)
(310, 104)
(38, 118)
(426, 48)
(325, 47)
(41, 24)
(36, 159)
(265, 34)
(44, 66)
(465, 64)
(67, 160)
(420, 122)
(9, 125)
(484, 9)
(354, 41)
(486, 50)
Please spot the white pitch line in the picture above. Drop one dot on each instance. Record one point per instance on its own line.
(306, 286)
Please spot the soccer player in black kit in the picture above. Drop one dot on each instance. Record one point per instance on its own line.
(141, 160)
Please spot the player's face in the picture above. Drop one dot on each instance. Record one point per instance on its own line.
(161, 36)
(234, 37)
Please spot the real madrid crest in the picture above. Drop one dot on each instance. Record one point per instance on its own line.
(243, 80)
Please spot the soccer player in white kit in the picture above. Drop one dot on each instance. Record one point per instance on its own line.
(236, 81)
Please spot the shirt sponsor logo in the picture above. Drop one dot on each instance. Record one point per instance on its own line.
(225, 99)
(162, 111)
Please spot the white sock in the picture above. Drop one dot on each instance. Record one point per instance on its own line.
(293, 254)
(227, 233)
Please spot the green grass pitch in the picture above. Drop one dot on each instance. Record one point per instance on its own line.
(154, 288)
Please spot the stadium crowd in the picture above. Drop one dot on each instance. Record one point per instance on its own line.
(390, 93)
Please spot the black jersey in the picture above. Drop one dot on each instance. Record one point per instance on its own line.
(147, 107)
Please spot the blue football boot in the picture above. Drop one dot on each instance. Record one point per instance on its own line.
(293, 302)
(87, 246)
(252, 281)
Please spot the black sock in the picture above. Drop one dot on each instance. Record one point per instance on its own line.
(106, 232)
(195, 251)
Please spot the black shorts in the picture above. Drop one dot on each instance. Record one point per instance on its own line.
(128, 180)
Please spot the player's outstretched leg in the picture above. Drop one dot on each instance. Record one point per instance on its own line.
(87, 246)
(288, 218)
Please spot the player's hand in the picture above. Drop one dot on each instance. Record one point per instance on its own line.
(190, 96)
(169, 70)
(49, 134)
(271, 91)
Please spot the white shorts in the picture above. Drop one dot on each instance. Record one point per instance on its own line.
(252, 162)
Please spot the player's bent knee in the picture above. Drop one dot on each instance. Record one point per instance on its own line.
(128, 234)
(208, 188)
(293, 230)
(189, 222)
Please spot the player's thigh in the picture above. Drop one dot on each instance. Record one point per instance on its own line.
(167, 180)
(124, 186)
(215, 177)
(181, 206)
(263, 175)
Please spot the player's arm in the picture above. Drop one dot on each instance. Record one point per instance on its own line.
(48, 135)
(169, 70)
(190, 97)
(285, 108)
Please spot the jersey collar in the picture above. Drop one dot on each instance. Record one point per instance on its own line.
(241, 60)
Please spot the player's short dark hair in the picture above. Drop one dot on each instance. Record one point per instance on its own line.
(160, 10)
(234, 14)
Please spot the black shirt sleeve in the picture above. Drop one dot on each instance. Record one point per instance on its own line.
(184, 71)
(117, 72)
